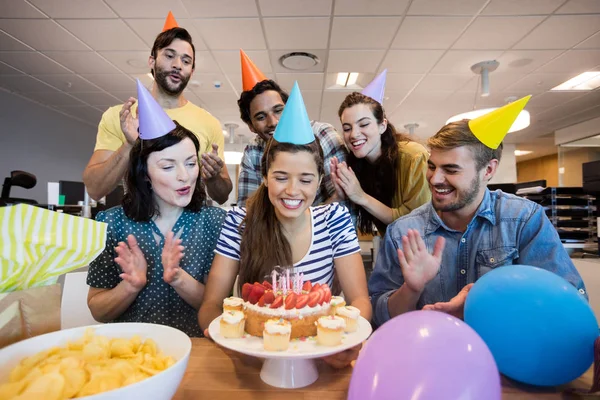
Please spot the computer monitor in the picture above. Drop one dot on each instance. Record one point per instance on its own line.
(74, 192)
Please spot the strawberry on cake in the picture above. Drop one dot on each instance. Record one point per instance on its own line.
(300, 304)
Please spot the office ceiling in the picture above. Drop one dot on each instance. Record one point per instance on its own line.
(82, 56)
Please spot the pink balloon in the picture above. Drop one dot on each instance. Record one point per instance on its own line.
(425, 355)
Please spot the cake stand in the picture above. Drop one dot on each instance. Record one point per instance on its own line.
(295, 367)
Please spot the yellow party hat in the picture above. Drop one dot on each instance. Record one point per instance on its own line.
(491, 128)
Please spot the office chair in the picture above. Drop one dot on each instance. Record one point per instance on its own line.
(17, 178)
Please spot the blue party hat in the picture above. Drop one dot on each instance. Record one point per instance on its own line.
(376, 88)
(294, 125)
(154, 121)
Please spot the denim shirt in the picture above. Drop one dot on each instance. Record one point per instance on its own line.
(505, 230)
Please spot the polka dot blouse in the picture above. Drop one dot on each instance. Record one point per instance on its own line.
(158, 302)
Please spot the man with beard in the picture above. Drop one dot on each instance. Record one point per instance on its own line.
(261, 104)
(172, 62)
(431, 257)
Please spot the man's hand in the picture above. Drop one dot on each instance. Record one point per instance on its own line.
(344, 358)
(211, 163)
(171, 256)
(454, 307)
(131, 260)
(129, 123)
(417, 265)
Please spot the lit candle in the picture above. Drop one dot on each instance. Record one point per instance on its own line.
(301, 280)
(283, 283)
(287, 278)
(274, 276)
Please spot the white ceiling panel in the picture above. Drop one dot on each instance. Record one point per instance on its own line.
(525, 61)
(68, 82)
(363, 32)
(221, 8)
(574, 61)
(23, 84)
(74, 9)
(561, 32)
(90, 114)
(8, 70)
(231, 34)
(354, 60)
(305, 81)
(41, 34)
(553, 99)
(443, 82)
(538, 82)
(294, 8)
(99, 99)
(496, 32)
(31, 62)
(499, 82)
(460, 61)
(580, 7)
(370, 7)
(402, 83)
(148, 29)
(411, 61)
(7, 43)
(19, 9)
(297, 33)
(230, 60)
(54, 98)
(219, 100)
(312, 100)
(110, 82)
(146, 8)
(522, 7)
(104, 34)
(429, 32)
(591, 43)
(276, 55)
(82, 62)
(129, 62)
(445, 7)
(126, 94)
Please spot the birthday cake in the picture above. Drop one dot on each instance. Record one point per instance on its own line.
(300, 303)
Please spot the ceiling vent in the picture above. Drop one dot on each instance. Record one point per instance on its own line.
(299, 60)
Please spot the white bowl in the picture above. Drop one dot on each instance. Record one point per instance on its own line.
(170, 341)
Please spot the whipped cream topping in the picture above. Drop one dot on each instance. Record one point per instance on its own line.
(233, 317)
(233, 302)
(290, 314)
(348, 312)
(337, 300)
(332, 322)
(278, 326)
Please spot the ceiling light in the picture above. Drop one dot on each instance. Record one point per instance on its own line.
(522, 121)
(346, 79)
(352, 77)
(589, 80)
(233, 157)
(522, 152)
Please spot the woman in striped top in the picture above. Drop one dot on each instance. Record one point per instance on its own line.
(280, 228)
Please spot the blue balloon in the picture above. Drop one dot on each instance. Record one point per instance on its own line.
(538, 326)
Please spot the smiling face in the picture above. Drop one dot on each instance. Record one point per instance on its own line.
(362, 132)
(292, 182)
(173, 173)
(265, 111)
(173, 66)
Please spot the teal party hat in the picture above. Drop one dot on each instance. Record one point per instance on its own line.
(294, 125)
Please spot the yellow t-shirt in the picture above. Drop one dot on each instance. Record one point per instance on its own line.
(206, 127)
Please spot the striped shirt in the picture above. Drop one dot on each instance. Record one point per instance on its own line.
(333, 236)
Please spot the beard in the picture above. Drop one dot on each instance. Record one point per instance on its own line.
(161, 78)
(464, 197)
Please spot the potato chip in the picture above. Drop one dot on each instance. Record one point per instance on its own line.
(90, 365)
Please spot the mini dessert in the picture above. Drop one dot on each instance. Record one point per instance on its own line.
(232, 324)
(350, 315)
(299, 303)
(329, 330)
(233, 304)
(276, 335)
(337, 301)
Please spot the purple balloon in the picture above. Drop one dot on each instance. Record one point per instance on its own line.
(425, 355)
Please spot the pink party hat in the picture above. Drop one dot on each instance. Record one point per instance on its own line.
(376, 88)
(154, 121)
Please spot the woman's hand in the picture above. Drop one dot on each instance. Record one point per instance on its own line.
(171, 256)
(333, 168)
(349, 183)
(133, 263)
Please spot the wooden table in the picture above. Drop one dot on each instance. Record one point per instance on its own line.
(216, 373)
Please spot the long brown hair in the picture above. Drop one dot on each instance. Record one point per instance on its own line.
(378, 179)
(264, 246)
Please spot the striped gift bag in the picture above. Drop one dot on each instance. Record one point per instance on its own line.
(38, 245)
